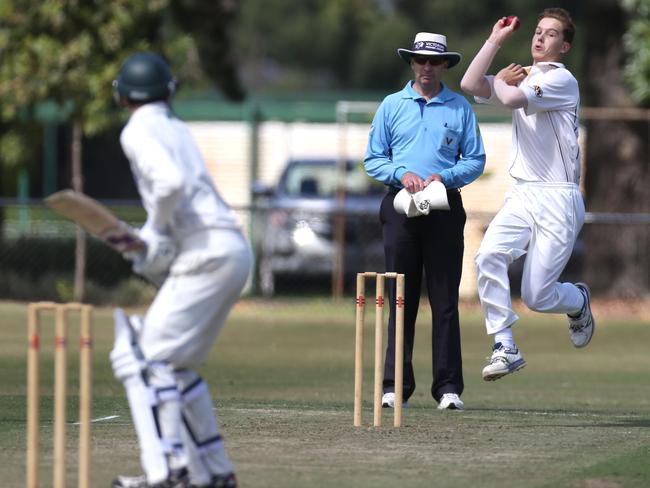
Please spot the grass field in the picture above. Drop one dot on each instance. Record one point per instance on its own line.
(282, 377)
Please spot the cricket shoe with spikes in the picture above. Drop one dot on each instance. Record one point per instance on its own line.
(220, 481)
(504, 360)
(581, 326)
(177, 479)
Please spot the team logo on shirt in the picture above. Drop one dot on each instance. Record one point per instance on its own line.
(538, 91)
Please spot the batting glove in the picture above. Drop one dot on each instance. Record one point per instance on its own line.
(161, 251)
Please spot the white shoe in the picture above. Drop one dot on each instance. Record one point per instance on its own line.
(451, 401)
(581, 328)
(177, 479)
(388, 401)
(504, 360)
(130, 482)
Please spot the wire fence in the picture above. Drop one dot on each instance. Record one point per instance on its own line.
(294, 253)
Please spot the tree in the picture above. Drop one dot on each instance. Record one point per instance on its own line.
(210, 22)
(637, 46)
(617, 257)
(68, 52)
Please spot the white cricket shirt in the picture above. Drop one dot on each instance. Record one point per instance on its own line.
(170, 173)
(545, 134)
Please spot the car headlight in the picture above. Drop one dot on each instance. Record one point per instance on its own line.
(303, 234)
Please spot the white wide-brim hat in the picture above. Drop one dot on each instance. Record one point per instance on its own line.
(403, 203)
(433, 197)
(429, 44)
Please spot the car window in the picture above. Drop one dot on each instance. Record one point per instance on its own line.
(319, 181)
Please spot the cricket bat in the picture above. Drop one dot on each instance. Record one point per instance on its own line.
(97, 220)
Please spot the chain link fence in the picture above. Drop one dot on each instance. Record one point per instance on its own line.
(37, 250)
(37, 258)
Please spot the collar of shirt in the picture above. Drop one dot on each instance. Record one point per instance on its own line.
(444, 95)
(151, 108)
(546, 65)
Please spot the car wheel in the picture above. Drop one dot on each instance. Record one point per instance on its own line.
(266, 279)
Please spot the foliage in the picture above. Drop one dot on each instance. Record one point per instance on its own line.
(32, 257)
(61, 51)
(39, 269)
(637, 44)
(351, 44)
(209, 25)
(67, 52)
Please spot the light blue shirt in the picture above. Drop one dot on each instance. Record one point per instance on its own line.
(439, 136)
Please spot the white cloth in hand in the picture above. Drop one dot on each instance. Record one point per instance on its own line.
(160, 254)
(433, 197)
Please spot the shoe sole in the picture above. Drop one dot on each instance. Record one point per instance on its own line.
(497, 375)
(593, 321)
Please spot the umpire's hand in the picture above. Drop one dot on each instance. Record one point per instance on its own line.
(412, 182)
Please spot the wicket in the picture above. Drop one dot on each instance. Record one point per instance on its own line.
(379, 353)
(60, 310)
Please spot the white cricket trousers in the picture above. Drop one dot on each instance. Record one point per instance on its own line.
(191, 307)
(541, 220)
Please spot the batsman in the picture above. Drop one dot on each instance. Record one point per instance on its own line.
(195, 246)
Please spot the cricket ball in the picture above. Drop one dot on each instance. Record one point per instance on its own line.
(513, 19)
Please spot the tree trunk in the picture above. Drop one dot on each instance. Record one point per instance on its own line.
(617, 256)
(77, 185)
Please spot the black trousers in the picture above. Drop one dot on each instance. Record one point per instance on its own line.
(433, 243)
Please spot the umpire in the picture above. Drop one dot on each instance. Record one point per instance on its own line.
(421, 134)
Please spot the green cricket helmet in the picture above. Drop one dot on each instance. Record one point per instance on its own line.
(144, 77)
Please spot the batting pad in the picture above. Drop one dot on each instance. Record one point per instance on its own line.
(163, 382)
(130, 368)
(126, 357)
(203, 442)
(153, 456)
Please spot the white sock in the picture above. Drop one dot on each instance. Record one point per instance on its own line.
(504, 336)
(576, 314)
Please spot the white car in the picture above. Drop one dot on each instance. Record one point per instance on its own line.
(294, 226)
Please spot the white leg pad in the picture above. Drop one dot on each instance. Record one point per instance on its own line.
(203, 440)
(137, 323)
(130, 368)
(163, 381)
(126, 357)
(153, 456)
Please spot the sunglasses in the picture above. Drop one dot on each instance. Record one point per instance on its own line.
(432, 60)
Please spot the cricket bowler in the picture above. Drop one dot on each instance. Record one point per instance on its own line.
(544, 211)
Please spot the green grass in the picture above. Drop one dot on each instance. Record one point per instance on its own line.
(282, 378)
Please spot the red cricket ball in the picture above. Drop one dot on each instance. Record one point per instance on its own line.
(513, 19)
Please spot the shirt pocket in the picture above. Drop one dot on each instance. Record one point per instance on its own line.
(449, 142)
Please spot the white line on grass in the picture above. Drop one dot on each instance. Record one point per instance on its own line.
(101, 419)
(559, 413)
